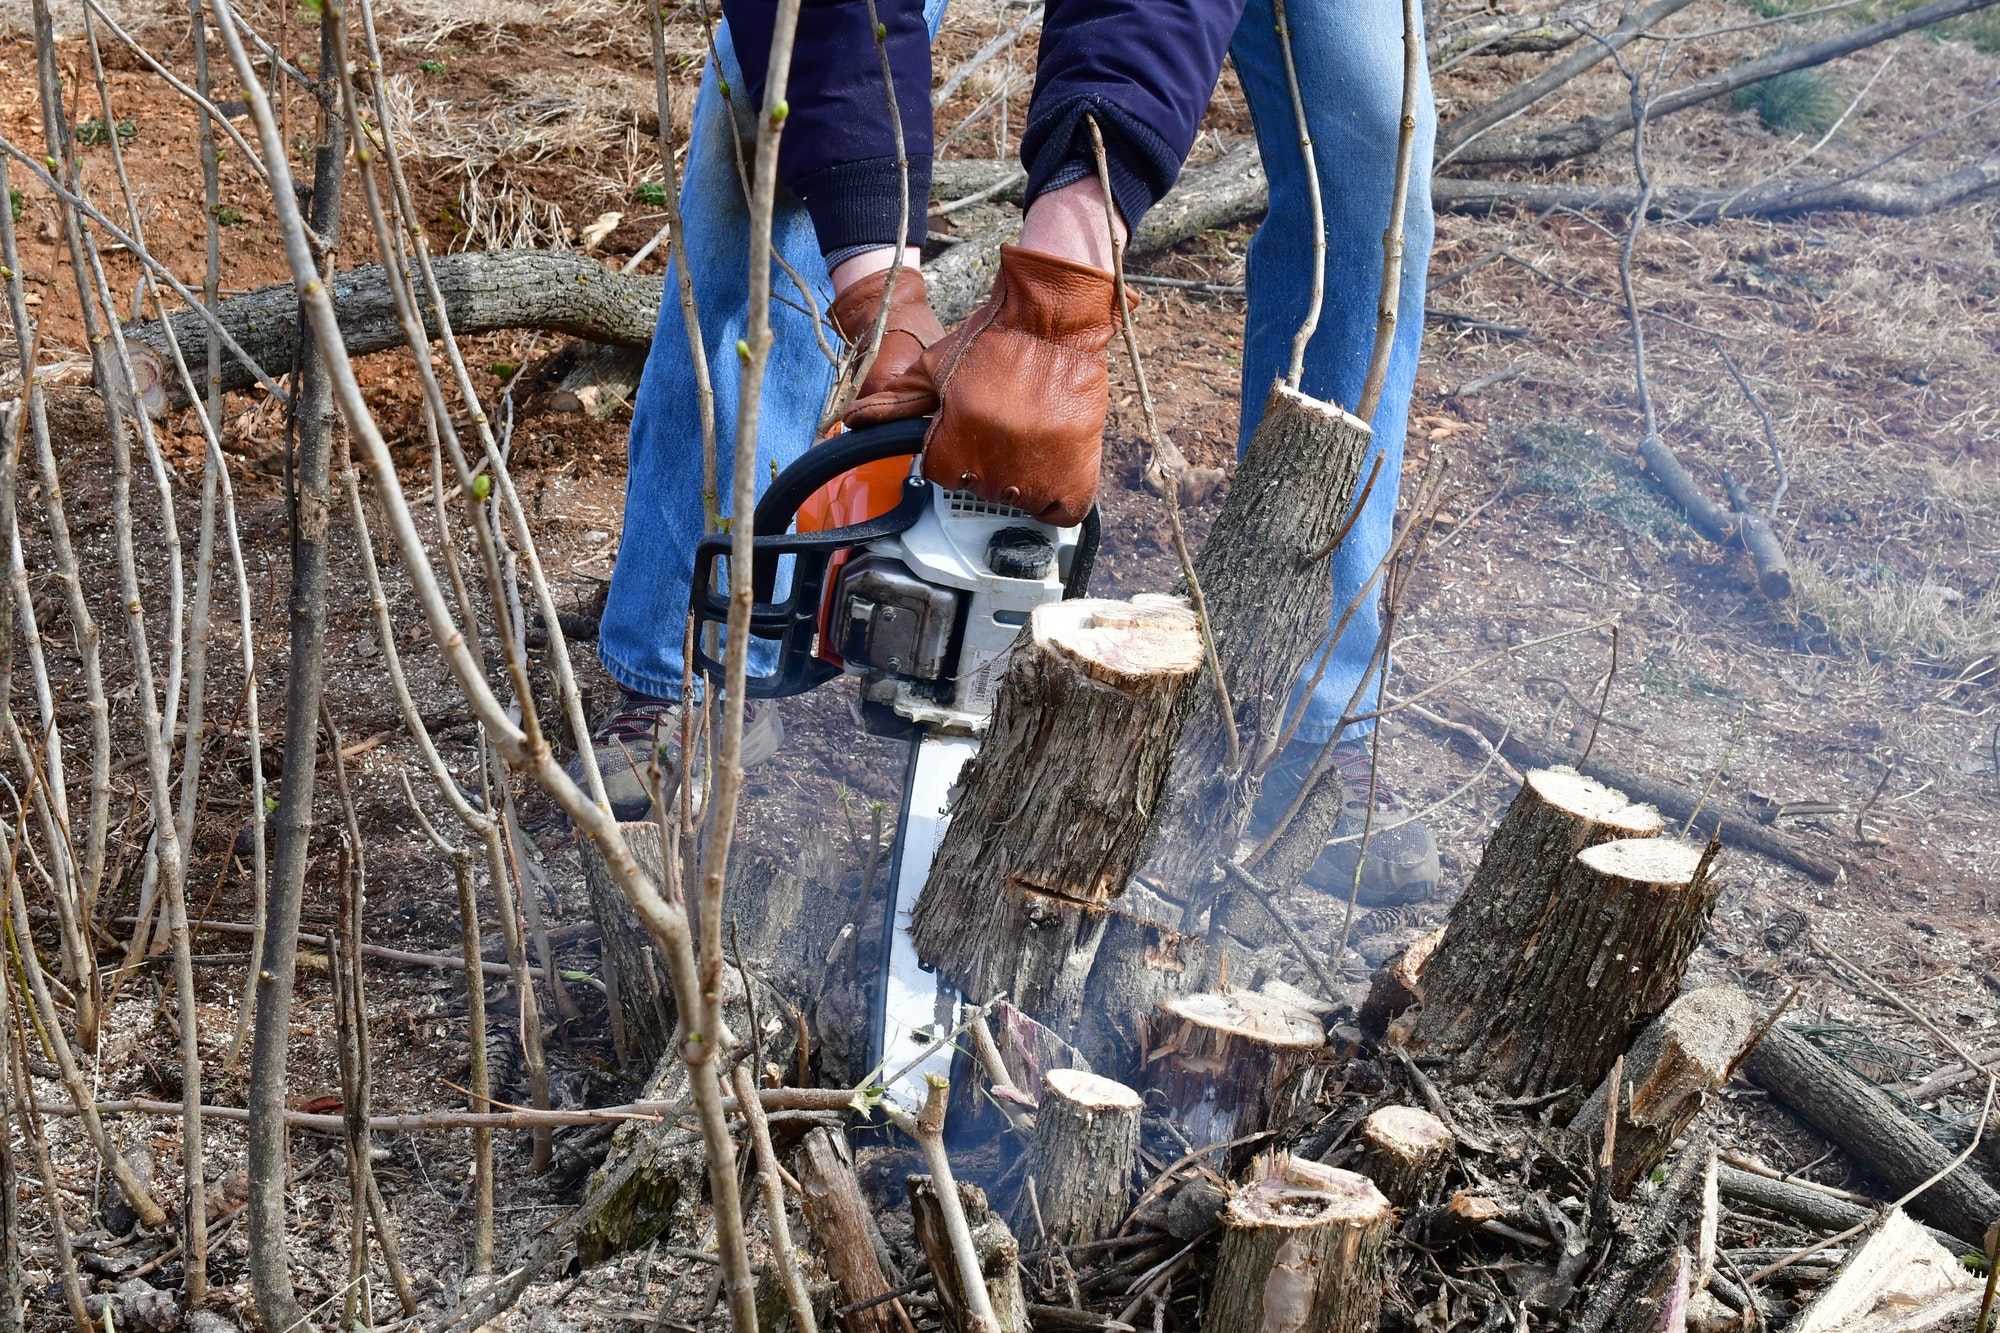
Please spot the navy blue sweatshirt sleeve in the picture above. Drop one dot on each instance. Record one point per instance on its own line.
(838, 152)
(1146, 70)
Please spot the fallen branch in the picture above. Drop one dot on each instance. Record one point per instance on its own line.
(1587, 134)
(1781, 199)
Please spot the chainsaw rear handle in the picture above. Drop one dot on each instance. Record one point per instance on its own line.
(794, 622)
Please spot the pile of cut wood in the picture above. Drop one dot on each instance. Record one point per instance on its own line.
(1501, 1128)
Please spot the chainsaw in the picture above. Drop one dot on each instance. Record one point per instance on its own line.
(863, 568)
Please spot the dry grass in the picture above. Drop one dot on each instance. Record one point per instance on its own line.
(1885, 616)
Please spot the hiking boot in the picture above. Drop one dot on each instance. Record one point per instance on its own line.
(644, 726)
(1402, 863)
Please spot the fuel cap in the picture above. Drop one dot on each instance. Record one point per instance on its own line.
(1021, 553)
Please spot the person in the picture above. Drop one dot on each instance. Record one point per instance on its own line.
(1145, 71)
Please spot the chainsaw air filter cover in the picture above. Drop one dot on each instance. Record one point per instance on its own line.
(1021, 553)
(890, 620)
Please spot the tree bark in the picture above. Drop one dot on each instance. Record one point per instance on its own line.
(837, 1219)
(1605, 958)
(559, 291)
(1397, 985)
(1053, 813)
(1220, 1064)
(999, 1258)
(1085, 1150)
(1856, 1117)
(1269, 604)
(1672, 1069)
(1302, 1252)
(1144, 959)
(1554, 816)
(270, 1268)
(1402, 1150)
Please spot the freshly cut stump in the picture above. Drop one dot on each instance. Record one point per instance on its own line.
(1268, 606)
(1496, 924)
(1673, 1068)
(1402, 1150)
(1052, 815)
(1302, 1248)
(1606, 958)
(1221, 1063)
(1085, 1148)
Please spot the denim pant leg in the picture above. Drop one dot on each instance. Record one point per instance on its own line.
(645, 616)
(1349, 55)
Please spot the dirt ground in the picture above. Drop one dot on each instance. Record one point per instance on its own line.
(1871, 696)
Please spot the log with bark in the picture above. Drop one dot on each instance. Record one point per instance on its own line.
(1859, 1119)
(843, 1231)
(1223, 1065)
(1402, 1151)
(1670, 1072)
(1547, 999)
(1302, 1249)
(1052, 815)
(1269, 601)
(1556, 814)
(999, 1258)
(1081, 1162)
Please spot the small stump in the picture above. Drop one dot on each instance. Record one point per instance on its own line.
(1302, 1248)
(1221, 1062)
(1085, 1148)
(1402, 1149)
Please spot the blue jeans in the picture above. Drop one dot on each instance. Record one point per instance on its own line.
(1349, 56)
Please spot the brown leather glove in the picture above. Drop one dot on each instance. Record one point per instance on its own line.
(911, 328)
(1018, 390)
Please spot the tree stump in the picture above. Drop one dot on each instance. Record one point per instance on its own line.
(1302, 1248)
(1268, 608)
(1053, 813)
(1673, 1067)
(1145, 958)
(842, 1230)
(1565, 998)
(1402, 1150)
(999, 1257)
(1221, 1063)
(1081, 1162)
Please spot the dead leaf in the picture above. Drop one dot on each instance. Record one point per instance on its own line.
(593, 236)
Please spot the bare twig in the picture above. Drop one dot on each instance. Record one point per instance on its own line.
(1329, 989)
(1610, 674)
(1742, 720)
(770, 1180)
(1393, 237)
(927, 1128)
(1310, 324)
(1170, 490)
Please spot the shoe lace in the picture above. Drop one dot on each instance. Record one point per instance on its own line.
(640, 721)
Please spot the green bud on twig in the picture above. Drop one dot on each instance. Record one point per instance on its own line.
(881, 31)
(780, 111)
(482, 486)
(742, 350)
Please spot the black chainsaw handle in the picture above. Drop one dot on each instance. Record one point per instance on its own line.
(826, 461)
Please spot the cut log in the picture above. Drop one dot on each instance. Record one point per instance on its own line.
(1397, 984)
(1898, 1266)
(840, 1223)
(1556, 814)
(1052, 815)
(1861, 1121)
(1302, 1250)
(999, 1257)
(1269, 602)
(1554, 958)
(1402, 1150)
(1674, 1066)
(1223, 1064)
(1081, 1162)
